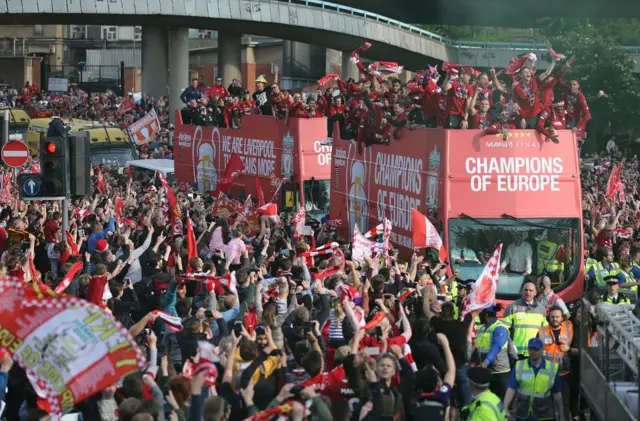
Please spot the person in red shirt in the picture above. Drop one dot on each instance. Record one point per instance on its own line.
(526, 95)
(284, 105)
(458, 94)
(480, 117)
(297, 108)
(578, 113)
(312, 110)
(247, 105)
(218, 88)
(336, 114)
(551, 120)
(485, 90)
(503, 125)
(431, 98)
(547, 88)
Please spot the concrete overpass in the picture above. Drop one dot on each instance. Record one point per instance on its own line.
(506, 13)
(165, 40)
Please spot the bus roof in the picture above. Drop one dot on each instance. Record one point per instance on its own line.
(163, 165)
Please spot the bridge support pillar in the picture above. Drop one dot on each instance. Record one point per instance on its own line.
(229, 51)
(178, 67)
(155, 45)
(349, 70)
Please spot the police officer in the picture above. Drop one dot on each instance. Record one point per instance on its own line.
(485, 406)
(525, 317)
(612, 296)
(464, 287)
(492, 349)
(537, 387)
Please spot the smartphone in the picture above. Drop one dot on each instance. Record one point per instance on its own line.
(295, 390)
(372, 350)
(306, 327)
(378, 331)
(237, 328)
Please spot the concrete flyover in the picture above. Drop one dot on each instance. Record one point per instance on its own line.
(165, 23)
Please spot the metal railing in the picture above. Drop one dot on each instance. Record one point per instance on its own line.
(416, 30)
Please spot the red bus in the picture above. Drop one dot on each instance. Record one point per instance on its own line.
(479, 190)
(271, 150)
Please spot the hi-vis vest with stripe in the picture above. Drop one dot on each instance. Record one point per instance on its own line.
(534, 390)
(602, 272)
(547, 258)
(552, 351)
(486, 407)
(589, 263)
(483, 344)
(525, 321)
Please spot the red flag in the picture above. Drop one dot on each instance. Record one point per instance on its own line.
(223, 207)
(555, 55)
(72, 244)
(119, 207)
(259, 192)
(484, 289)
(614, 185)
(235, 166)
(376, 320)
(66, 281)
(325, 79)
(426, 235)
(192, 248)
(101, 187)
(173, 203)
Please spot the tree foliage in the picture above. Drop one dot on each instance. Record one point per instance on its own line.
(601, 65)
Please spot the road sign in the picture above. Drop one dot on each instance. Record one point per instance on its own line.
(15, 153)
(31, 187)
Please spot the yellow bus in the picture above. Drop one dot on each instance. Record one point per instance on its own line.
(109, 145)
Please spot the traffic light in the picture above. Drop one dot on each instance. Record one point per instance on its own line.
(80, 165)
(54, 166)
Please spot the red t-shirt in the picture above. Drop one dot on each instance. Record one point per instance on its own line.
(220, 90)
(523, 93)
(480, 122)
(457, 97)
(430, 101)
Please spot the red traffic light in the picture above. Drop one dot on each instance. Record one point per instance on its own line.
(50, 147)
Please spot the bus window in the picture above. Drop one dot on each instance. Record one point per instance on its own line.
(316, 196)
(549, 245)
(113, 157)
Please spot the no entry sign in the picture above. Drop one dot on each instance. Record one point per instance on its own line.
(15, 153)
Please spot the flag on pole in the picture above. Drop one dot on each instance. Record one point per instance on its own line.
(235, 166)
(426, 235)
(483, 292)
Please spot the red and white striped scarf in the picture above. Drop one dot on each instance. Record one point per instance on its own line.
(172, 322)
(324, 249)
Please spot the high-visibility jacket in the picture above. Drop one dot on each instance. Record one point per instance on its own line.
(589, 263)
(525, 321)
(485, 407)
(552, 351)
(601, 272)
(620, 299)
(547, 258)
(534, 398)
(483, 344)
(629, 278)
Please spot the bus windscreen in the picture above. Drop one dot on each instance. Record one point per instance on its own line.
(531, 247)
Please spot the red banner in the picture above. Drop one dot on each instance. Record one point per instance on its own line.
(265, 145)
(446, 173)
(69, 348)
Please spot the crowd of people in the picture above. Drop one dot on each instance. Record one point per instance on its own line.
(302, 334)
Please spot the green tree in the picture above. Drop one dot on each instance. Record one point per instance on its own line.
(601, 65)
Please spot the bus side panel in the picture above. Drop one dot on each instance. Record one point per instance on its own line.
(268, 148)
(312, 159)
(387, 181)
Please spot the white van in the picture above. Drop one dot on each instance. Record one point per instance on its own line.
(144, 170)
